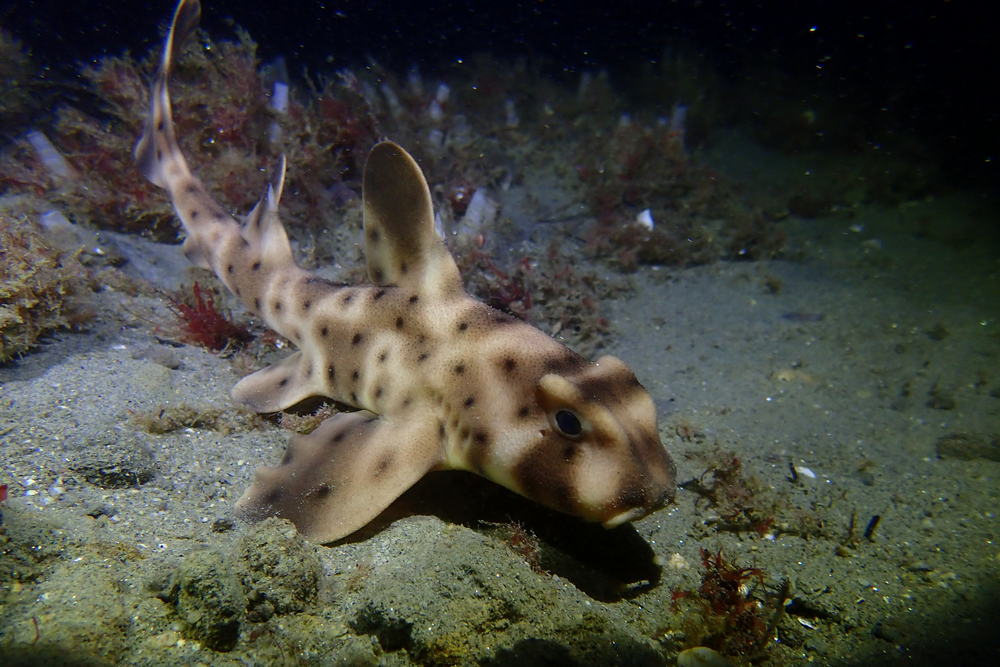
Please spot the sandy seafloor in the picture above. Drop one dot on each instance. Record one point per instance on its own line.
(117, 546)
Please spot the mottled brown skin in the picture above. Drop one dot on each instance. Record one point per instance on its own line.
(441, 380)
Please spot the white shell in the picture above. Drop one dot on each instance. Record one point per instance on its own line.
(645, 218)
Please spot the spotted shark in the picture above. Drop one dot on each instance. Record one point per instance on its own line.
(438, 379)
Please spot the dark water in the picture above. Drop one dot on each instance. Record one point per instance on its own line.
(921, 70)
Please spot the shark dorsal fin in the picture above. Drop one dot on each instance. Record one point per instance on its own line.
(401, 245)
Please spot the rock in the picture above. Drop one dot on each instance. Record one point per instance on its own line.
(209, 599)
(701, 656)
(279, 570)
(77, 611)
(113, 459)
(480, 603)
(968, 446)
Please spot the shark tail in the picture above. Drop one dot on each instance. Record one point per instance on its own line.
(158, 154)
(248, 255)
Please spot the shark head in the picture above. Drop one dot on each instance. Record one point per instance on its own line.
(597, 452)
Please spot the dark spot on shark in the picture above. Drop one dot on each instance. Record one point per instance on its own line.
(194, 213)
(255, 266)
(378, 295)
(373, 235)
(413, 299)
(481, 438)
(287, 458)
(399, 322)
(545, 477)
(383, 356)
(459, 369)
(331, 372)
(422, 357)
(321, 492)
(524, 411)
(307, 304)
(347, 298)
(256, 303)
(282, 382)
(338, 437)
(383, 464)
(355, 375)
(357, 339)
(324, 331)
(230, 268)
(509, 365)
(565, 363)
(403, 268)
(378, 392)
(469, 402)
(462, 326)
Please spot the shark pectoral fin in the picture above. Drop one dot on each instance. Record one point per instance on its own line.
(401, 245)
(336, 479)
(276, 387)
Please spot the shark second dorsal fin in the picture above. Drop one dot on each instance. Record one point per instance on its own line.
(263, 228)
(401, 246)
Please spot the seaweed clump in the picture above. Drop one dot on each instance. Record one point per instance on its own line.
(740, 500)
(743, 503)
(37, 285)
(547, 289)
(227, 124)
(730, 611)
(202, 323)
(654, 204)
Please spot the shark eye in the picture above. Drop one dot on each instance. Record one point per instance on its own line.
(568, 424)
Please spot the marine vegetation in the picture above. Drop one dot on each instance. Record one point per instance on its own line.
(37, 286)
(202, 323)
(483, 133)
(731, 611)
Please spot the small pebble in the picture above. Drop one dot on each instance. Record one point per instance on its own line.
(701, 656)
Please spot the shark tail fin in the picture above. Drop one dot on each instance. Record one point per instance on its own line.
(158, 152)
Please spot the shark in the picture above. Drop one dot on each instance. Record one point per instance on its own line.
(432, 378)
